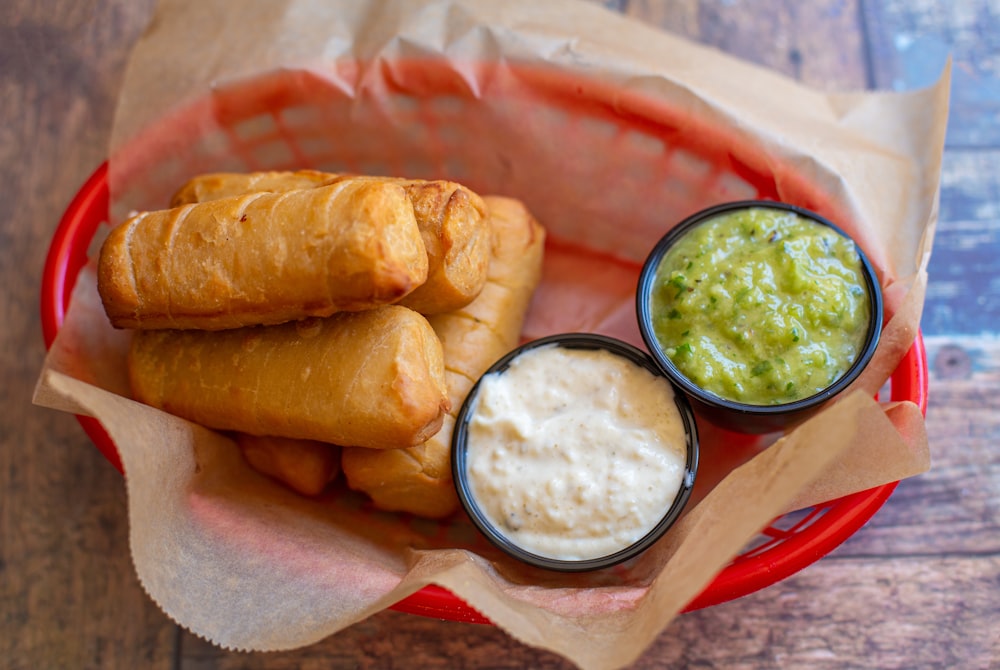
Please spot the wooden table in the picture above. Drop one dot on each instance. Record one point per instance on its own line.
(919, 587)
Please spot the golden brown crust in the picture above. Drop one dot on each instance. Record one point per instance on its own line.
(263, 258)
(231, 184)
(373, 379)
(415, 480)
(305, 466)
(451, 218)
(418, 480)
(456, 234)
(470, 345)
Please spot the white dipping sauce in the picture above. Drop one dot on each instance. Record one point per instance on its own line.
(575, 454)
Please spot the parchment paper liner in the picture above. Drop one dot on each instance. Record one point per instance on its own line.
(248, 565)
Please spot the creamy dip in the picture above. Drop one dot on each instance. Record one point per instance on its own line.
(575, 454)
(761, 305)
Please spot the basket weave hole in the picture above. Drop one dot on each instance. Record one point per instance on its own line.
(418, 134)
(274, 155)
(450, 136)
(676, 195)
(794, 522)
(646, 146)
(731, 187)
(213, 146)
(416, 167)
(689, 167)
(255, 128)
(885, 392)
(559, 120)
(597, 129)
(446, 105)
(315, 149)
(303, 118)
(406, 104)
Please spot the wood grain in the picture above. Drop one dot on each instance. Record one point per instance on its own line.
(903, 613)
(68, 594)
(963, 294)
(910, 42)
(787, 36)
(918, 587)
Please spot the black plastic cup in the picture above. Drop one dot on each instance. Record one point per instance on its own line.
(739, 416)
(459, 447)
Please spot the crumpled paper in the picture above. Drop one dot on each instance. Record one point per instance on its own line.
(610, 132)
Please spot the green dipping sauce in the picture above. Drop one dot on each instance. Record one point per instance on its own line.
(761, 306)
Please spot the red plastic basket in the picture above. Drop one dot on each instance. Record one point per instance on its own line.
(711, 163)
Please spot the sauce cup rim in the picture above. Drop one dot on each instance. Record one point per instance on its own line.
(796, 408)
(459, 445)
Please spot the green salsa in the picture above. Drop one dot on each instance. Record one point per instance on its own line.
(761, 306)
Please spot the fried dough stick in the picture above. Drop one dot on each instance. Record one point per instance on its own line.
(451, 218)
(305, 466)
(263, 258)
(418, 480)
(372, 378)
